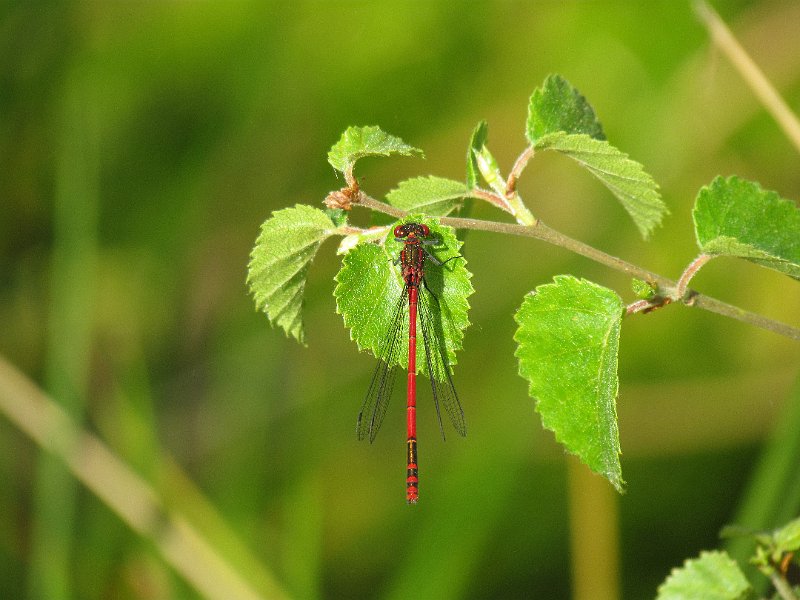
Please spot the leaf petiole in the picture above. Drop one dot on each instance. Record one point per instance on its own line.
(688, 273)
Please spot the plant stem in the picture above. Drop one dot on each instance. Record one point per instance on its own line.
(349, 178)
(53, 531)
(638, 306)
(689, 272)
(511, 203)
(782, 587)
(125, 492)
(491, 198)
(750, 72)
(520, 211)
(516, 170)
(667, 286)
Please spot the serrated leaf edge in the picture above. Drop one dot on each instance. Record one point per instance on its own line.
(350, 159)
(690, 562)
(258, 265)
(432, 201)
(574, 93)
(609, 473)
(645, 225)
(736, 247)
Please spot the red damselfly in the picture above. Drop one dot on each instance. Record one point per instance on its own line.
(425, 306)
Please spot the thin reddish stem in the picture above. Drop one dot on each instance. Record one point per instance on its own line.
(638, 306)
(688, 273)
(516, 171)
(352, 182)
(491, 198)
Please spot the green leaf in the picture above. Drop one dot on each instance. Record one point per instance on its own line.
(559, 107)
(476, 143)
(337, 215)
(627, 180)
(431, 195)
(736, 217)
(490, 171)
(279, 262)
(480, 161)
(568, 340)
(642, 289)
(369, 288)
(358, 142)
(712, 576)
(560, 118)
(787, 538)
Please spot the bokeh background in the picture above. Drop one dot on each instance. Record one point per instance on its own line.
(142, 145)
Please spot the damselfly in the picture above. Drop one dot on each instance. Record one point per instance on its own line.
(412, 259)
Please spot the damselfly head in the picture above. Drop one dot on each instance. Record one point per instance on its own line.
(406, 230)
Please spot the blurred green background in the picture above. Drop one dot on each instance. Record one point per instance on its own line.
(143, 144)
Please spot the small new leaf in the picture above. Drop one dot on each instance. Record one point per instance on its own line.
(430, 195)
(481, 163)
(736, 217)
(642, 289)
(712, 576)
(559, 107)
(279, 262)
(627, 180)
(358, 142)
(369, 287)
(568, 340)
(490, 171)
(476, 143)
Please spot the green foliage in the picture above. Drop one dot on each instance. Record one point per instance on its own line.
(480, 161)
(736, 217)
(477, 142)
(568, 331)
(490, 171)
(773, 496)
(627, 180)
(561, 119)
(773, 548)
(712, 576)
(568, 340)
(337, 216)
(172, 116)
(787, 538)
(558, 107)
(434, 196)
(358, 142)
(642, 289)
(369, 287)
(279, 262)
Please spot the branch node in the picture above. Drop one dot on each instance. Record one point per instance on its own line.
(689, 297)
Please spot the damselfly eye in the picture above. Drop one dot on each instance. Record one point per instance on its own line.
(400, 231)
(425, 230)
